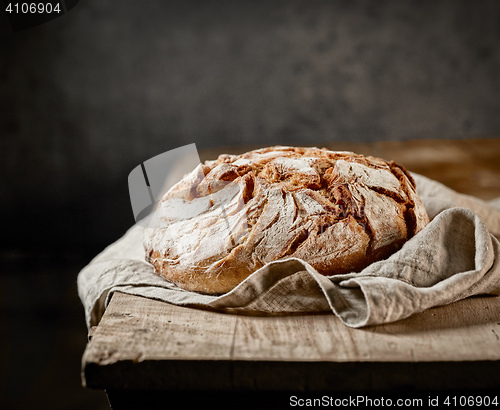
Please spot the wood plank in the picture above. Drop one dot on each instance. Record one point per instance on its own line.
(138, 329)
(148, 344)
(466, 330)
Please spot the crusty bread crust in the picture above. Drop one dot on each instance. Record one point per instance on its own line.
(338, 211)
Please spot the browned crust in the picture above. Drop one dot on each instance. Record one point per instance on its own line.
(338, 211)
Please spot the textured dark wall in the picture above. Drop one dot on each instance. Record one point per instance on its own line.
(87, 97)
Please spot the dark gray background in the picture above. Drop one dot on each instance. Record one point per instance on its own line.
(85, 98)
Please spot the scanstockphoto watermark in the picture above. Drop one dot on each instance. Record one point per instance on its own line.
(151, 179)
(24, 15)
(362, 401)
(365, 401)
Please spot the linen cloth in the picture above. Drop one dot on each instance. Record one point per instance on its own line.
(456, 256)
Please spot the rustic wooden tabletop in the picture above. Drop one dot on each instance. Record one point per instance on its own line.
(145, 352)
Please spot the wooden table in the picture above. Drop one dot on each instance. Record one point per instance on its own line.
(146, 353)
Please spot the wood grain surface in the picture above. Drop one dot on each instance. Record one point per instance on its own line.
(139, 336)
(147, 345)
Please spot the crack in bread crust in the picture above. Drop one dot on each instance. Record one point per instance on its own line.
(339, 211)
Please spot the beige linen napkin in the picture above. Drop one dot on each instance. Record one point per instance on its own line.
(456, 256)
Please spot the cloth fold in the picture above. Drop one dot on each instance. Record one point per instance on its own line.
(456, 256)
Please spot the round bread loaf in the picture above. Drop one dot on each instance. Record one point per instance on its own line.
(338, 211)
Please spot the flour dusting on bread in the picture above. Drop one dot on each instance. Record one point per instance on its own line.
(338, 211)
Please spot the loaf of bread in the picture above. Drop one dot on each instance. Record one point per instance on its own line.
(338, 211)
